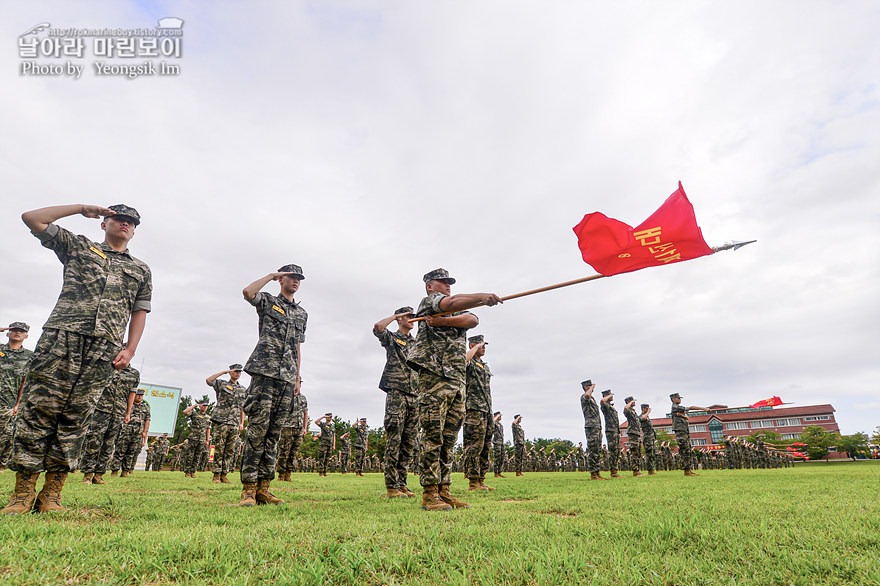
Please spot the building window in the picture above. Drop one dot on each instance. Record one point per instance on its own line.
(788, 422)
(817, 418)
(737, 425)
(763, 423)
(716, 429)
(698, 442)
(697, 428)
(788, 436)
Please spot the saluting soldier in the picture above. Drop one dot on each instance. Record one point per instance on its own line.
(327, 442)
(293, 431)
(649, 439)
(199, 438)
(519, 444)
(106, 425)
(439, 357)
(361, 444)
(104, 290)
(592, 428)
(633, 435)
(227, 420)
(274, 367)
(14, 361)
(478, 421)
(612, 431)
(499, 454)
(135, 431)
(399, 381)
(682, 432)
(344, 452)
(161, 452)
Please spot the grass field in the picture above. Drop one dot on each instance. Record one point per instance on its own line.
(807, 525)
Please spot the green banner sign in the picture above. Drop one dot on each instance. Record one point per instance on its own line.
(163, 407)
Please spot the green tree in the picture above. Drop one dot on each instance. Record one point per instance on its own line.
(768, 437)
(819, 441)
(854, 444)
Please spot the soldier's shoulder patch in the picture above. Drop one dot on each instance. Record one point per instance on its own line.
(278, 309)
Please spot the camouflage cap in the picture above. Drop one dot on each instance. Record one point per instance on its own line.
(645, 406)
(586, 383)
(517, 416)
(439, 275)
(629, 399)
(295, 269)
(235, 367)
(497, 413)
(328, 415)
(478, 339)
(606, 392)
(406, 309)
(123, 210)
(675, 396)
(362, 419)
(19, 325)
(140, 391)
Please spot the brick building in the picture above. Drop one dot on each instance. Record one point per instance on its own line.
(709, 428)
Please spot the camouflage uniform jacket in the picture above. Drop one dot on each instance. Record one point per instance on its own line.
(101, 288)
(282, 329)
(647, 427)
(327, 433)
(161, 446)
(591, 412)
(397, 375)
(140, 414)
(439, 350)
(362, 434)
(114, 399)
(498, 434)
(519, 436)
(198, 424)
(612, 419)
(230, 399)
(633, 423)
(13, 367)
(297, 413)
(344, 445)
(478, 396)
(679, 423)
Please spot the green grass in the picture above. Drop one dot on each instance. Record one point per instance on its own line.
(807, 525)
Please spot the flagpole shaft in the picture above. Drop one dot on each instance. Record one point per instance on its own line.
(525, 293)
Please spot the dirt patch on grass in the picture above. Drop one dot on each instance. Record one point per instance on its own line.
(561, 514)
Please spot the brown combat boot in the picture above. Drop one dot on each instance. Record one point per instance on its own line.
(49, 498)
(393, 493)
(114, 473)
(614, 473)
(406, 492)
(651, 473)
(264, 497)
(637, 473)
(690, 473)
(446, 497)
(224, 480)
(216, 478)
(431, 500)
(499, 475)
(474, 485)
(519, 473)
(124, 474)
(98, 479)
(484, 487)
(87, 478)
(248, 494)
(22, 499)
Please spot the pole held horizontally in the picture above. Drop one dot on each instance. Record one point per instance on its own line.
(735, 245)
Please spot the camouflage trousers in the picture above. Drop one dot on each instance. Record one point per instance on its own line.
(441, 412)
(613, 442)
(634, 442)
(101, 442)
(7, 426)
(344, 461)
(324, 449)
(267, 404)
(518, 453)
(224, 437)
(401, 428)
(67, 375)
(192, 457)
(685, 452)
(158, 462)
(129, 445)
(360, 460)
(500, 457)
(478, 428)
(594, 445)
(650, 443)
(288, 446)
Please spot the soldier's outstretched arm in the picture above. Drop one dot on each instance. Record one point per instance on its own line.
(210, 380)
(251, 290)
(468, 301)
(37, 220)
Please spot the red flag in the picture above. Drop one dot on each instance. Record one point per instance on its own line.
(670, 235)
(771, 402)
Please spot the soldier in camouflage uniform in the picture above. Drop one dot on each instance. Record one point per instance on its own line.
(499, 454)
(227, 420)
(361, 443)
(649, 439)
(107, 421)
(135, 431)
(14, 362)
(519, 444)
(592, 429)
(344, 452)
(682, 432)
(439, 358)
(399, 382)
(104, 289)
(633, 435)
(161, 452)
(478, 422)
(199, 438)
(327, 442)
(612, 431)
(274, 367)
(293, 431)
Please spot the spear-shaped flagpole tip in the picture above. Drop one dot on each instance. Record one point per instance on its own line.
(735, 245)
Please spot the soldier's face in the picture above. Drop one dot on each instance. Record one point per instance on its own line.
(235, 375)
(437, 286)
(16, 335)
(138, 399)
(121, 227)
(289, 284)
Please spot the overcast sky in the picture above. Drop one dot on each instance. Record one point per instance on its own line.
(370, 142)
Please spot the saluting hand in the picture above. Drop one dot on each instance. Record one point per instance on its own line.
(91, 211)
